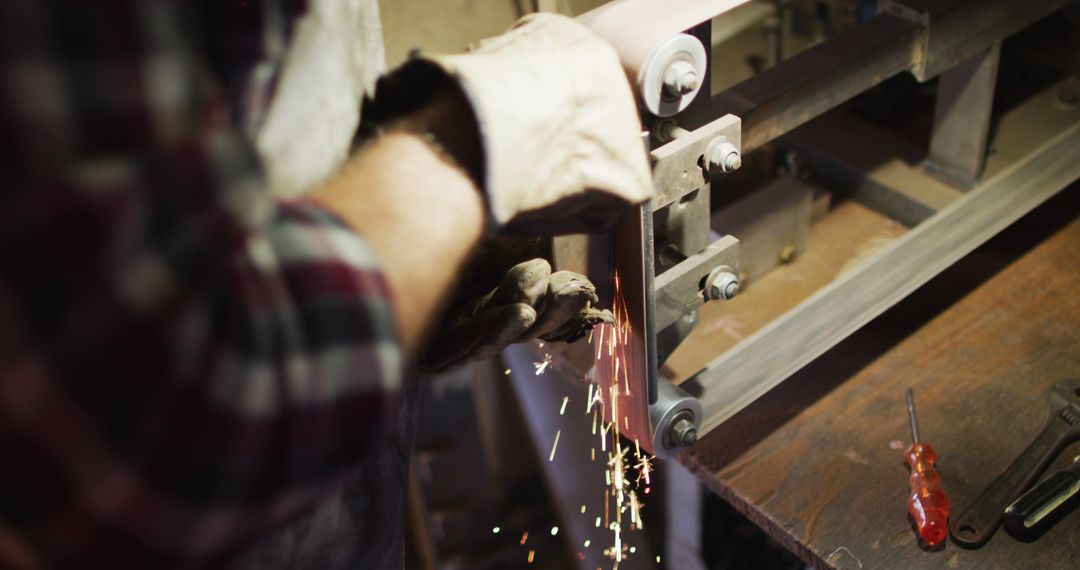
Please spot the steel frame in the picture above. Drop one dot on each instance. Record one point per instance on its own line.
(923, 37)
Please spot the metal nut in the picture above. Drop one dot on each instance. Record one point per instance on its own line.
(721, 284)
(680, 78)
(722, 156)
(683, 433)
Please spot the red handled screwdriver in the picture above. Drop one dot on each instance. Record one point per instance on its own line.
(928, 504)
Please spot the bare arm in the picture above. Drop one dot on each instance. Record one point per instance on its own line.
(416, 207)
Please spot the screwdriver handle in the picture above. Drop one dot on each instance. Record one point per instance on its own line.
(928, 504)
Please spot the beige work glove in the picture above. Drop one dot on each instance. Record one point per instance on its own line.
(561, 140)
(530, 302)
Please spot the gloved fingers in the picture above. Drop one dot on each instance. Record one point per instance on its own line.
(580, 325)
(568, 293)
(525, 282)
(563, 283)
(479, 337)
(530, 302)
(507, 326)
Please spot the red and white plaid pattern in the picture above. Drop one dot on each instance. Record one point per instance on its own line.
(184, 362)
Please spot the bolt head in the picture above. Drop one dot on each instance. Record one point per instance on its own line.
(722, 156)
(722, 285)
(688, 82)
(682, 433)
(680, 78)
(732, 161)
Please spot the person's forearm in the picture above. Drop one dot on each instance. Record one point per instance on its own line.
(419, 212)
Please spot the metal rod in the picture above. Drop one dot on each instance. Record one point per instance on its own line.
(911, 416)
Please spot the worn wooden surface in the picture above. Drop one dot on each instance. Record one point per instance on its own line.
(839, 241)
(817, 461)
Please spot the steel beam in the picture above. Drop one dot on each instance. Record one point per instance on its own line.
(957, 30)
(783, 97)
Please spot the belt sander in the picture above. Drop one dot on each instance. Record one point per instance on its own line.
(661, 255)
(662, 258)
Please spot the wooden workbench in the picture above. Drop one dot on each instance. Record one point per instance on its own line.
(818, 462)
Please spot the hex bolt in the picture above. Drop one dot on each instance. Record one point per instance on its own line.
(721, 284)
(680, 78)
(682, 433)
(787, 254)
(722, 156)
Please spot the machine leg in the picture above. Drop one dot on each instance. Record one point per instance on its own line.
(965, 100)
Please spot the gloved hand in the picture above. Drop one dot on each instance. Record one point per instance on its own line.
(530, 302)
(561, 141)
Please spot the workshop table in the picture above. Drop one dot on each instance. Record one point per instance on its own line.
(818, 463)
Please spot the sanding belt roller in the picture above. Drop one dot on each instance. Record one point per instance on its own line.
(667, 67)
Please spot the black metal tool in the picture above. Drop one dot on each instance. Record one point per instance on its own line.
(1039, 509)
(976, 524)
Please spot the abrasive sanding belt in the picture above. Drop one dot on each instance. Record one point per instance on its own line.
(635, 27)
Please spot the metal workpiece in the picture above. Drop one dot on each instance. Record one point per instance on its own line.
(589, 255)
(677, 165)
(675, 417)
(679, 290)
(721, 284)
(721, 157)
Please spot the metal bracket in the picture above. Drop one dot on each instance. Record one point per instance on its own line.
(677, 165)
(679, 289)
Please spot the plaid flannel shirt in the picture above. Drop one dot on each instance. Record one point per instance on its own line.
(184, 362)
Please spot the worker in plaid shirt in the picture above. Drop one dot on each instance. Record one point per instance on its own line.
(209, 298)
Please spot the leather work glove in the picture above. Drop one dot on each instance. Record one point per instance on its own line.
(530, 302)
(561, 141)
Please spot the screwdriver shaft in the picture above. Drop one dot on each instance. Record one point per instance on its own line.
(911, 417)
